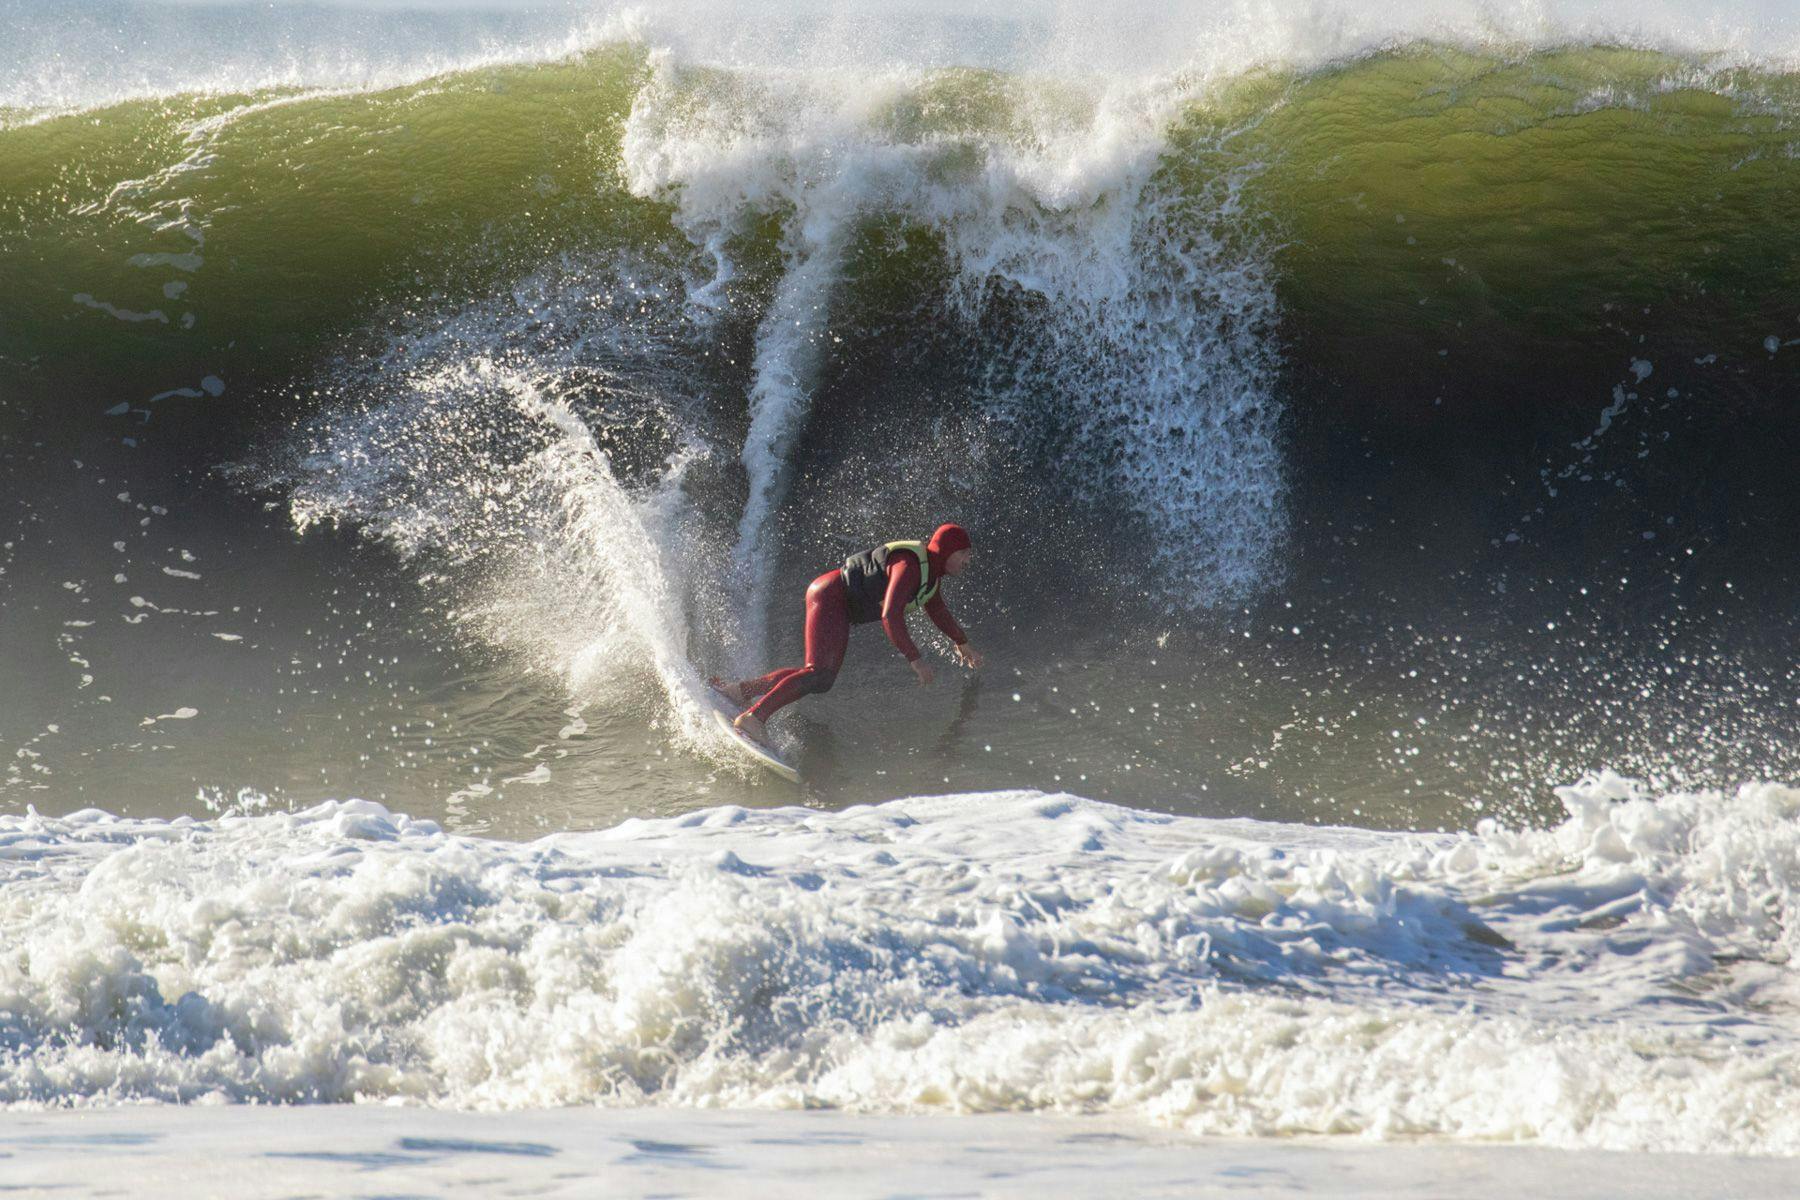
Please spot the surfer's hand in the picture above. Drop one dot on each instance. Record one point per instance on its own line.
(968, 655)
(923, 670)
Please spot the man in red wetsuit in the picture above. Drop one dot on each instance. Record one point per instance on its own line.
(883, 584)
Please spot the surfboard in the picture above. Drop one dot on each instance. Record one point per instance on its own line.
(762, 754)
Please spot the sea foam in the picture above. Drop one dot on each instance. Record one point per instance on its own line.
(1619, 981)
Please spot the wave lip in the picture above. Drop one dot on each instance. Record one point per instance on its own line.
(58, 60)
(61, 59)
(1617, 982)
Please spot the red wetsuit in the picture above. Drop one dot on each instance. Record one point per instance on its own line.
(828, 633)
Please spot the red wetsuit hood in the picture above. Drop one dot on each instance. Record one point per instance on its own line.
(946, 541)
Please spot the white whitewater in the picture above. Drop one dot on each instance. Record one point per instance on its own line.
(1619, 982)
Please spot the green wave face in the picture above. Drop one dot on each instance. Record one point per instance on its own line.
(1431, 197)
(1410, 203)
(266, 223)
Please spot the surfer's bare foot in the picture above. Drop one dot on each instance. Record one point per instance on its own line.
(733, 692)
(752, 728)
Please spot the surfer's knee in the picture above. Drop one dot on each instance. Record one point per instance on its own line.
(820, 679)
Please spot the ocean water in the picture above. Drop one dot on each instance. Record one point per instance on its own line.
(1376, 425)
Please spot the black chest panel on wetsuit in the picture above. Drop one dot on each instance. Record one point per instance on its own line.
(866, 578)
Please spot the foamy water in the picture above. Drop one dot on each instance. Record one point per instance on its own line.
(1619, 981)
(645, 1153)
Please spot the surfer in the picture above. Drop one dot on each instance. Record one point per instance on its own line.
(883, 584)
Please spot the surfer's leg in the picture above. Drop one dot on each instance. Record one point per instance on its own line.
(752, 688)
(733, 692)
(827, 629)
(827, 637)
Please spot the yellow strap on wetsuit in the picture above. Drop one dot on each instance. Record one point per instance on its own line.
(927, 589)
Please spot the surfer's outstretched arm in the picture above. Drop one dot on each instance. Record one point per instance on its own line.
(939, 612)
(940, 616)
(903, 585)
